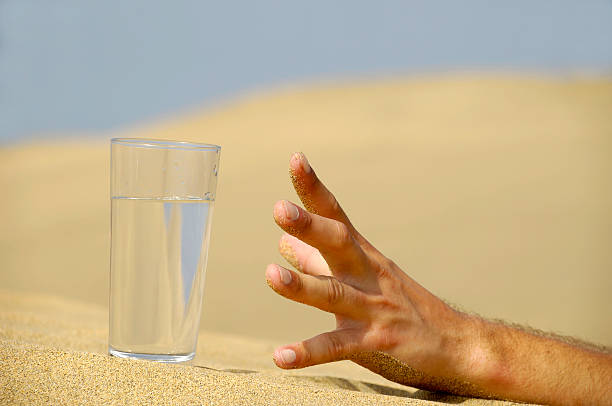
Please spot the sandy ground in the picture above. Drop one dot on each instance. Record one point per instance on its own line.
(493, 192)
(53, 350)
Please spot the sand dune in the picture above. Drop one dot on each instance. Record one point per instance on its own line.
(493, 192)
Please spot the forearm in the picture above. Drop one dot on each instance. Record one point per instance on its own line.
(511, 363)
(492, 360)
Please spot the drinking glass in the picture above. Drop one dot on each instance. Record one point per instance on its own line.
(162, 197)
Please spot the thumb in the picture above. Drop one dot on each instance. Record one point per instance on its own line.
(327, 347)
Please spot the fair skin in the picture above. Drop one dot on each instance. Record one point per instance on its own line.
(388, 323)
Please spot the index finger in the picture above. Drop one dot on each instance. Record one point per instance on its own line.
(315, 197)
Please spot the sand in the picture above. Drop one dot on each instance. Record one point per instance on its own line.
(491, 191)
(53, 351)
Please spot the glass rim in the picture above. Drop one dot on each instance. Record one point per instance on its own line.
(164, 144)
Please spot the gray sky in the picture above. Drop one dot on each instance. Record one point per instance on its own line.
(73, 65)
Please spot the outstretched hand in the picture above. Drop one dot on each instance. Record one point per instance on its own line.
(390, 324)
(385, 321)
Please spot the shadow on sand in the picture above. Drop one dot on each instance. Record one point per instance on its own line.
(360, 386)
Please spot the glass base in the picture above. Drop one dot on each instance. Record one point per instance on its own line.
(152, 357)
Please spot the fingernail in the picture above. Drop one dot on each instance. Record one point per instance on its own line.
(291, 212)
(285, 276)
(305, 165)
(287, 356)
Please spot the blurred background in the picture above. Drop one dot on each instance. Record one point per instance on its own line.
(470, 142)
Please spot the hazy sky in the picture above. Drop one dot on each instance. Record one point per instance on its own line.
(74, 65)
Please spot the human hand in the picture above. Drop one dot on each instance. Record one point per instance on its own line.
(385, 321)
(388, 323)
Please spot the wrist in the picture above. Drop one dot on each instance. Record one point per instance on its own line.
(472, 351)
(453, 347)
(463, 357)
(483, 361)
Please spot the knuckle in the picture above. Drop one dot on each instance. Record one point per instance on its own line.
(359, 299)
(298, 283)
(335, 346)
(334, 205)
(306, 219)
(383, 304)
(343, 237)
(335, 291)
(383, 272)
(385, 267)
(306, 357)
(384, 340)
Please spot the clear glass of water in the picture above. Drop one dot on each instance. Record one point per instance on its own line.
(162, 197)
